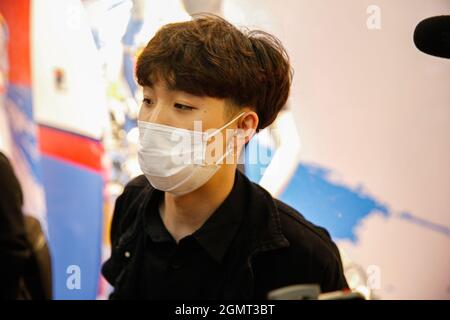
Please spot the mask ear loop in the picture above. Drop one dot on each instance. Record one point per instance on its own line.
(208, 136)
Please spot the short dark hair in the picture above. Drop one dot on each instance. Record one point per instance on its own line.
(208, 56)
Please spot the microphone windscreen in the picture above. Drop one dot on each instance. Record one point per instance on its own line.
(432, 36)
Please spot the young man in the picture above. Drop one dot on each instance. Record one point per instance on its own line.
(194, 227)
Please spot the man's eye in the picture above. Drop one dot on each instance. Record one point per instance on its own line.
(147, 101)
(180, 106)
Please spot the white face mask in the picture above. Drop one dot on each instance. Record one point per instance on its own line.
(174, 159)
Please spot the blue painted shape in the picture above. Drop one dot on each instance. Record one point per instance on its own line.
(75, 214)
(425, 223)
(336, 207)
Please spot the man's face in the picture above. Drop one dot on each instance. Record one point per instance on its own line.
(179, 109)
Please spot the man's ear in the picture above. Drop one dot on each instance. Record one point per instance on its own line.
(248, 124)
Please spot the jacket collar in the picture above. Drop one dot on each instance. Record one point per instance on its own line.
(254, 215)
(215, 235)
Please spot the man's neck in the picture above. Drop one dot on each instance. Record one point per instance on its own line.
(183, 215)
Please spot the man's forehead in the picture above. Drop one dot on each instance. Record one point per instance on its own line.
(163, 87)
(158, 84)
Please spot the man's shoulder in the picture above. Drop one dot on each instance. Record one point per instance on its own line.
(311, 257)
(304, 236)
(134, 188)
(131, 194)
(138, 182)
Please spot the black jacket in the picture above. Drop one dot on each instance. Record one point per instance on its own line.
(14, 251)
(25, 268)
(274, 247)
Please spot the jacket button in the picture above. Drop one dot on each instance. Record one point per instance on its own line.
(127, 254)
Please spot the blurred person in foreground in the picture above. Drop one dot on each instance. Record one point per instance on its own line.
(14, 249)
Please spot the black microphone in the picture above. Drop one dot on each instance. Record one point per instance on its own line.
(432, 36)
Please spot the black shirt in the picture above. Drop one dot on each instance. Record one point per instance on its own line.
(250, 245)
(192, 268)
